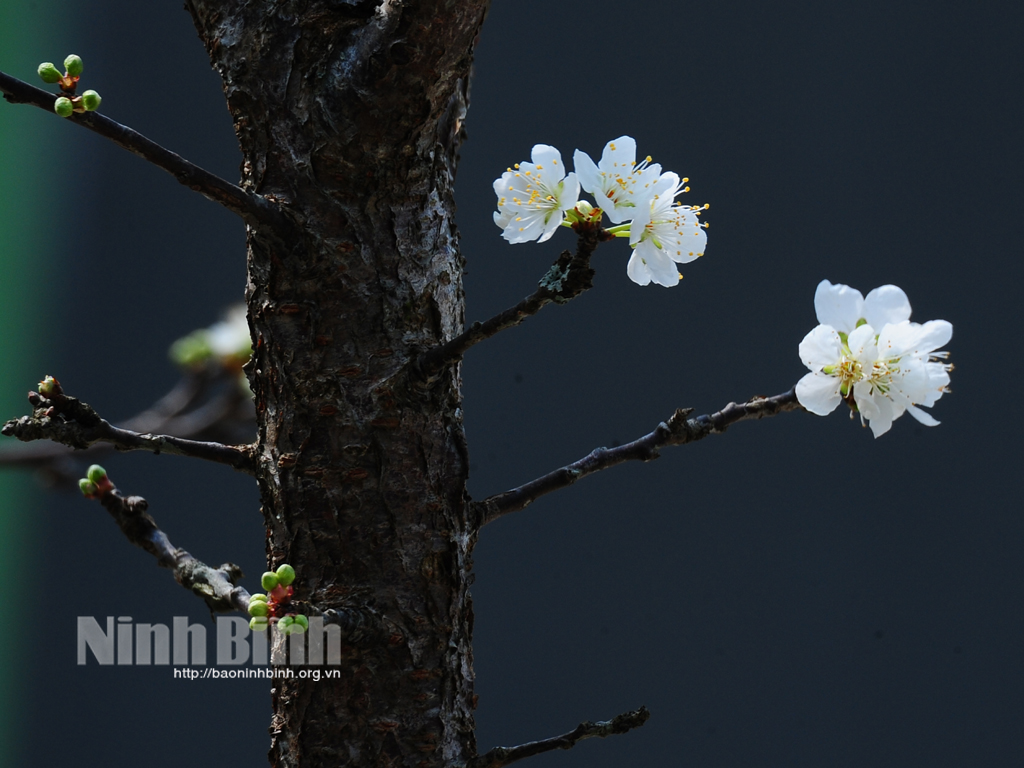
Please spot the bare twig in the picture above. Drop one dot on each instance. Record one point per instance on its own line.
(251, 207)
(228, 416)
(71, 422)
(568, 277)
(215, 585)
(679, 429)
(502, 756)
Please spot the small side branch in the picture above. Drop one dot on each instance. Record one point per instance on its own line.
(250, 207)
(568, 277)
(215, 585)
(69, 421)
(679, 429)
(502, 756)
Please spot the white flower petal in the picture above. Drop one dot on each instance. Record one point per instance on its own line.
(838, 305)
(906, 338)
(862, 344)
(637, 270)
(925, 418)
(875, 407)
(589, 175)
(886, 304)
(821, 347)
(619, 154)
(818, 392)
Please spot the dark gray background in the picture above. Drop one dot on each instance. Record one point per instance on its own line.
(792, 593)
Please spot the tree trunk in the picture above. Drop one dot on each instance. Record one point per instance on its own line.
(349, 116)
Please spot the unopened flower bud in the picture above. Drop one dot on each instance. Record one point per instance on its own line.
(258, 624)
(302, 621)
(63, 106)
(584, 208)
(259, 597)
(49, 73)
(49, 387)
(73, 64)
(87, 488)
(286, 625)
(258, 608)
(96, 474)
(269, 580)
(91, 101)
(285, 574)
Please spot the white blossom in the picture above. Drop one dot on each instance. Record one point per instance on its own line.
(618, 183)
(533, 197)
(664, 233)
(881, 374)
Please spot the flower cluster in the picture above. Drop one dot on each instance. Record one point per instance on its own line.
(272, 608)
(537, 197)
(867, 352)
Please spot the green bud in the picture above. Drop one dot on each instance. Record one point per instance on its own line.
(285, 625)
(87, 488)
(258, 608)
(73, 64)
(285, 575)
(258, 597)
(258, 624)
(96, 474)
(302, 621)
(63, 106)
(49, 73)
(269, 580)
(91, 101)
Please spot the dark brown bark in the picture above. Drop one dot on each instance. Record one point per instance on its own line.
(349, 116)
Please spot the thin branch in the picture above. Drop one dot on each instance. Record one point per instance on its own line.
(226, 417)
(679, 429)
(502, 756)
(215, 585)
(568, 277)
(71, 422)
(252, 208)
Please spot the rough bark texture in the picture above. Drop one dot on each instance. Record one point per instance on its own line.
(349, 116)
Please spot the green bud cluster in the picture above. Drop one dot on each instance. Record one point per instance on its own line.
(267, 609)
(293, 625)
(68, 104)
(95, 483)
